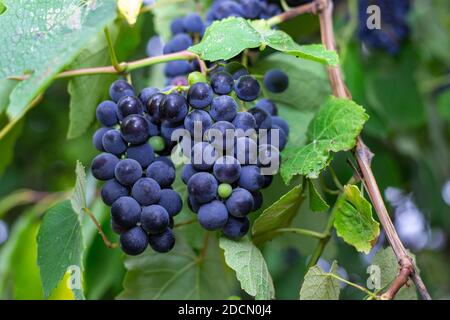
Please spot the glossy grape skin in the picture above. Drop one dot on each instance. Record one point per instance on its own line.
(166, 161)
(262, 117)
(177, 26)
(227, 169)
(213, 216)
(113, 143)
(222, 82)
(251, 8)
(223, 108)
(113, 190)
(267, 105)
(163, 242)
(162, 173)
(193, 204)
(128, 171)
(247, 88)
(128, 105)
(135, 129)
(221, 135)
(246, 150)
(179, 42)
(154, 46)
(281, 123)
(142, 153)
(193, 23)
(154, 219)
(98, 136)
(167, 130)
(119, 89)
(240, 203)
(116, 228)
(154, 107)
(171, 201)
(236, 228)
(276, 81)
(146, 94)
(187, 172)
(134, 241)
(244, 121)
(251, 178)
(126, 212)
(257, 200)
(177, 68)
(225, 9)
(174, 108)
(200, 95)
(203, 187)
(146, 191)
(196, 118)
(203, 156)
(106, 113)
(103, 166)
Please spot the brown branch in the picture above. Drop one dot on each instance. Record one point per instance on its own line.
(364, 157)
(312, 7)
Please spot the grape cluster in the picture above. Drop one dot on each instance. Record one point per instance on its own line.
(137, 176)
(224, 176)
(394, 25)
(189, 29)
(248, 9)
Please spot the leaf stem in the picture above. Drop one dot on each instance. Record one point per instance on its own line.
(304, 232)
(354, 285)
(326, 236)
(108, 243)
(127, 66)
(112, 53)
(336, 181)
(184, 223)
(312, 7)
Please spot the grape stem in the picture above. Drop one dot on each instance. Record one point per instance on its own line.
(364, 157)
(112, 53)
(108, 243)
(312, 7)
(126, 66)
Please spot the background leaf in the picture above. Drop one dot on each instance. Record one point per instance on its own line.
(387, 262)
(217, 45)
(179, 275)
(251, 269)
(319, 285)
(60, 244)
(353, 220)
(45, 42)
(278, 215)
(316, 201)
(334, 128)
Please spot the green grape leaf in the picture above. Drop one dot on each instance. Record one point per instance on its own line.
(6, 87)
(44, 39)
(278, 215)
(316, 201)
(87, 91)
(227, 38)
(60, 246)
(8, 142)
(251, 269)
(353, 220)
(320, 285)
(218, 44)
(180, 274)
(334, 128)
(78, 199)
(281, 41)
(387, 270)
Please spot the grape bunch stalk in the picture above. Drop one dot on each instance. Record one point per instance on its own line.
(137, 176)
